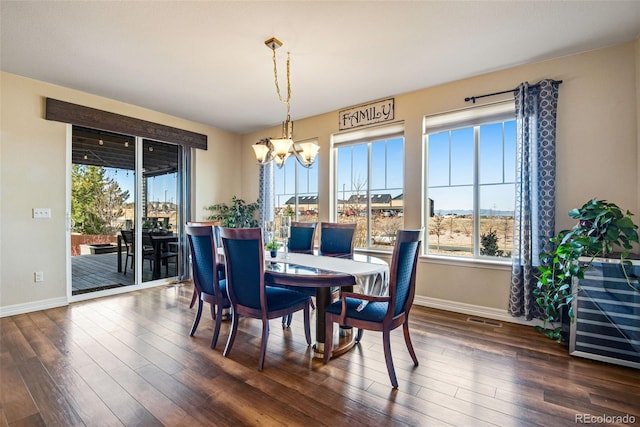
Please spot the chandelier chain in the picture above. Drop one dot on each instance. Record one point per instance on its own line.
(279, 149)
(286, 101)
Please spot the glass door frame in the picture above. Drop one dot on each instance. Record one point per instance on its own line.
(183, 201)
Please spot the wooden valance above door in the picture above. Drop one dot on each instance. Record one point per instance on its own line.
(80, 115)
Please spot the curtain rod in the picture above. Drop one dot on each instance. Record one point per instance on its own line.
(473, 98)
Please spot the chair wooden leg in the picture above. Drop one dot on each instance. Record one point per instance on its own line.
(307, 326)
(213, 311)
(328, 337)
(218, 323)
(196, 321)
(386, 343)
(286, 320)
(359, 335)
(263, 346)
(193, 297)
(407, 340)
(232, 334)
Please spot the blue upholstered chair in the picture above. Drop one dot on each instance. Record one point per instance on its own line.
(382, 313)
(302, 237)
(208, 286)
(336, 239)
(302, 240)
(250, 297)
(216, 233)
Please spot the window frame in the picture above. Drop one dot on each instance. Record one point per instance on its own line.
(367, 137)
(473, 117)
(296, 194)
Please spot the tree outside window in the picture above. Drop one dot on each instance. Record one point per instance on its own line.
(97, 201)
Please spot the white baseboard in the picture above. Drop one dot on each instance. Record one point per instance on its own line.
(473, 310)
(12, 310)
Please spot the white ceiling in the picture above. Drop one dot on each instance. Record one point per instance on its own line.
(206, 60)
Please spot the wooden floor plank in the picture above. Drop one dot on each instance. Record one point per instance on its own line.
(80, 396)
(189, 396)
(53, 403)
(14, 393)
(129, 360)
(125, 407)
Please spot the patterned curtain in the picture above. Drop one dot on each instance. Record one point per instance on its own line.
(534, 223)
(266, 196)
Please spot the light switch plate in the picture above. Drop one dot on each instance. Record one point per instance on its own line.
(40, 213)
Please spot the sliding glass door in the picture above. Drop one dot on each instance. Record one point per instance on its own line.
(161, 210)
(126, 210)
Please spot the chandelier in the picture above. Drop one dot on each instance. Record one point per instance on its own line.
(279, 149)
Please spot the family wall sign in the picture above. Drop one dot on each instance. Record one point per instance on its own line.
(367, 114)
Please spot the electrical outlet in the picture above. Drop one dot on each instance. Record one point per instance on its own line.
(40, 213)
(38, 276)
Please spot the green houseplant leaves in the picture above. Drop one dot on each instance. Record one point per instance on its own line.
(239, 215)
(601, 227)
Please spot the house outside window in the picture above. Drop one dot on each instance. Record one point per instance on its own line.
(296, 191)
(369, 184)
(470, 182)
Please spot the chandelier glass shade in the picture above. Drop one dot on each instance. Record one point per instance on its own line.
(279, 149)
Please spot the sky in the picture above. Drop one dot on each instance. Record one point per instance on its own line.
(450, 171)
(158, 187)
(450, 166)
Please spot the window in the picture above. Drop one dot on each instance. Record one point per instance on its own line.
(296, 191)
(470, 182)
(369, 185)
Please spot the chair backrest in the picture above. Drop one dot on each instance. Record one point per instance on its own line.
(204, 258)
(337, 239)
(302, 237)
(127, 236)
(402, 280)
(244, 258)
(147, 241)
(216, 229)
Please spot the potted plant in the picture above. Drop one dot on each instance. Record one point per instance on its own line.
(601, 227)
(239, 215)
(272, 247)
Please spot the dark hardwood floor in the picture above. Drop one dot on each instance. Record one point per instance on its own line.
(128, 360)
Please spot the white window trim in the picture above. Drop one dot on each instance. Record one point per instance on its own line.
(296, 186)
(455, 119)
(356, 137)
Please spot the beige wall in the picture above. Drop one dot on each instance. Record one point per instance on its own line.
(33, 173)
(596, 157)
(638, 122)
(597, 140)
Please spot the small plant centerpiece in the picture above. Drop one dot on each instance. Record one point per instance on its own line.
(239, 215)
(272, 247)
(601, 227)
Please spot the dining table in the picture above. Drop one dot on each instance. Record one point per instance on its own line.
(327, 274)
